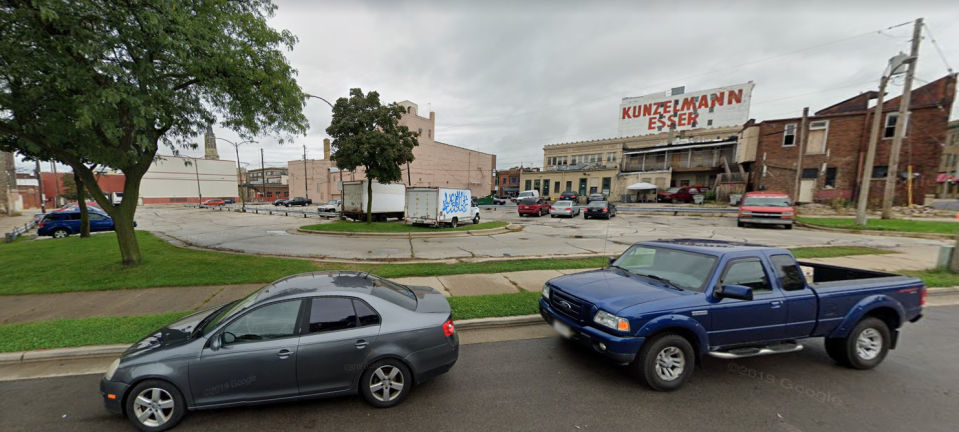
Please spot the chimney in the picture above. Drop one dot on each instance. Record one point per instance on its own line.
(326, 148)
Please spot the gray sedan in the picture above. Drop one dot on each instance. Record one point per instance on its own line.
(305, 336)
(563, 208)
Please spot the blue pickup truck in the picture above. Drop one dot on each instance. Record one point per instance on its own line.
(661, 306)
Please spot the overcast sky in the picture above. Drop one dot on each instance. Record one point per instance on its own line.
(508, 78)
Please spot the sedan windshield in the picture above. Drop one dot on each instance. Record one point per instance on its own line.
(562, 204)
(686, 270)
(235, 309)
(597, 204)
(766, 202)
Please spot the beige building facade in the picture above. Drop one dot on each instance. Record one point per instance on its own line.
(435, 164)
(948, 177)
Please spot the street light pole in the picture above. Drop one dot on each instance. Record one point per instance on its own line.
(239, 178)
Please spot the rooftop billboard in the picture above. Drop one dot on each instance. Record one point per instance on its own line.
(660, 112)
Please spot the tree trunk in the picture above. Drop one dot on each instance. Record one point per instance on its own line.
(126, 236)
(82, 202)
(954, 260)
(369, 201)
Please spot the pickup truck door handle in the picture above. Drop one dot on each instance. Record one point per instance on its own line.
(360, 344)
(284, 354)
(776, 304)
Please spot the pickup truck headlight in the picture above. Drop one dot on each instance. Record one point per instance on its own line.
(546, 291)
(612, 321)
(112, 369)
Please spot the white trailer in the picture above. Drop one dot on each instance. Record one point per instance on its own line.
(388, 200)
(436, 206)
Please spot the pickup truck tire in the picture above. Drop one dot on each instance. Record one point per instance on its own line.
(665, 362)
(740, 224)
(864, 348)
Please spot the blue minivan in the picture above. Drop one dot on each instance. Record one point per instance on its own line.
(62, 224)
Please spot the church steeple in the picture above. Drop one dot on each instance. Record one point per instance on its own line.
(209, 142)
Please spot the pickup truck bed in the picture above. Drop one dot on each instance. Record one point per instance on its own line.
(727, 301)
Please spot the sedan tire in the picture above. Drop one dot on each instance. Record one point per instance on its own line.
(61, 233)
(665, 362)
(386, 383)
(155, 405)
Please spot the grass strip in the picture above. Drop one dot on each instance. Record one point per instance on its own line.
(80, 332)
(900, 225)
(836, 251)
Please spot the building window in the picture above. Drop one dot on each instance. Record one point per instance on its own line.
(429, 133)
(269, 194)
(810, 173)
(830, 177)
(607, 183)
(569, 186)
(880, 171)
(529, 185)
(536, 184)
(816, 143)
(789, 135)
(709, 122)
(421, 132)
(556, 188)
(890, 130)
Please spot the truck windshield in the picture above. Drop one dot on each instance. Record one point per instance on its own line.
(766, 202)
(686, 270)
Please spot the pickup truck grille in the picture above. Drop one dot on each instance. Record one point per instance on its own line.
(567, 304)
(767, 215)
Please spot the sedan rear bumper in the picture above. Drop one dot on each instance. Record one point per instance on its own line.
(432, 362)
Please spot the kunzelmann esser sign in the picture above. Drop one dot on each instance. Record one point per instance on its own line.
(657, 113)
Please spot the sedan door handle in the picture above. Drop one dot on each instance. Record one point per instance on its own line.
(776, 304)
(360, 344)
(284, 354)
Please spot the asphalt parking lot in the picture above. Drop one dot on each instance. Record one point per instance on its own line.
(548, 384)
(276, 235)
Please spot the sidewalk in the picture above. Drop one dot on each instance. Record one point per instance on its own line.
(8, 223)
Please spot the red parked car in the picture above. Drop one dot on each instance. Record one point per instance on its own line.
(533, 206)
(214, 202)
(683, 194)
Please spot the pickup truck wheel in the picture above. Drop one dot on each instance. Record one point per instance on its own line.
(789, 226)
(867, 344)
(665, 362)
(740, 224)
(835, 347)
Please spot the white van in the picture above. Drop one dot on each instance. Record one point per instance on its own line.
(526, 194)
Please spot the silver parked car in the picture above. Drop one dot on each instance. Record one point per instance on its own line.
(564, 208)
(305, 336)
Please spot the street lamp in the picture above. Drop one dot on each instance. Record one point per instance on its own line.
(317, 97)
(326, 156)
(236, 146)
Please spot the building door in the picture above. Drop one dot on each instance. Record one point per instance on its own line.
(545, 188)
(582, 186)
(806, 189)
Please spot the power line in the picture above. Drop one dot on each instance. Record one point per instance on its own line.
(938, 50)
(680, 79)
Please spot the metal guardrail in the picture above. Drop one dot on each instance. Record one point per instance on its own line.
(272, 210)
(637, 208)
(12, 235)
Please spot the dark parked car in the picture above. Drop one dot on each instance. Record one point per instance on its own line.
(568, 196)
(600, 209)
(595, 197)
(299, 201)
(682, 194)
(305, 336)
(63, 223)
(229, 201)
(280, 202)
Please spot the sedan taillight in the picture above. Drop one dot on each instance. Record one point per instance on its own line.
(569, 208)
(448, 328)
(605, 209)
(41, 224)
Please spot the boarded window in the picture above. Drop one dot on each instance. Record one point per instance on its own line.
(816, 144)
(810, 173)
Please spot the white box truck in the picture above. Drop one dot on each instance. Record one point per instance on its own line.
(388, 200)
(437, 206)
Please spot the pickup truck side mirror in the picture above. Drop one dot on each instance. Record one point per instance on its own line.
(738, 292)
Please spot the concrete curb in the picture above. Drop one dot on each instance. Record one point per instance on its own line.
(927, 236)
(942, 291)
(483, 232)
(498, 322)
(64, 353)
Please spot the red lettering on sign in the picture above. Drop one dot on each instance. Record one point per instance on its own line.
(667, 107)
(692, 118)
(626, 113)
(718, 100)
(637, 111)
(735, 97)
(689, 104)
(652, 123)
(647, 110)
(703, 102)
(656, 109)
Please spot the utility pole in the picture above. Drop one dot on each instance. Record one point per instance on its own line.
(43, 204)
(56, 184)
(239, 177)
(262, 173)
(803, 134)
(306, 183)
(901, 120)
(861, 218)
(196, 169)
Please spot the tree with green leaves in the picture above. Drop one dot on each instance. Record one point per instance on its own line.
(102, 83)
(367, 134)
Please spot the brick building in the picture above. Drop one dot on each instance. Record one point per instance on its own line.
(834, 156)
(948, 178)
(507, 182)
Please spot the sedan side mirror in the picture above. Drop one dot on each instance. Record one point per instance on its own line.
(738, 292)
(215, 343)
(612, 260)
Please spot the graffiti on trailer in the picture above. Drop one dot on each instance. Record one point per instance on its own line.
(455, 202)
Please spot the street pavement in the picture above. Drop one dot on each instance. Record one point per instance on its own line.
(541, 236)
(549, 384)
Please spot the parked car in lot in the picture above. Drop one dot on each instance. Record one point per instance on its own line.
(533, 206)
(595, 197)
(299, 201)
(662, 305)
(330, 207)
(569, 196)
(599, 209)
(682, 194)
(564, 208)
(229, 201)
(280, 202)
(305, 336)
(533, 193)
(766, 208)
(214, 202)
(63, 223)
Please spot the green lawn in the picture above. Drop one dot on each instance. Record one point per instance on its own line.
(93, 264)
(117, 330)
(394, 227)
(935, 278)
(902, 225)
(836, 251)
